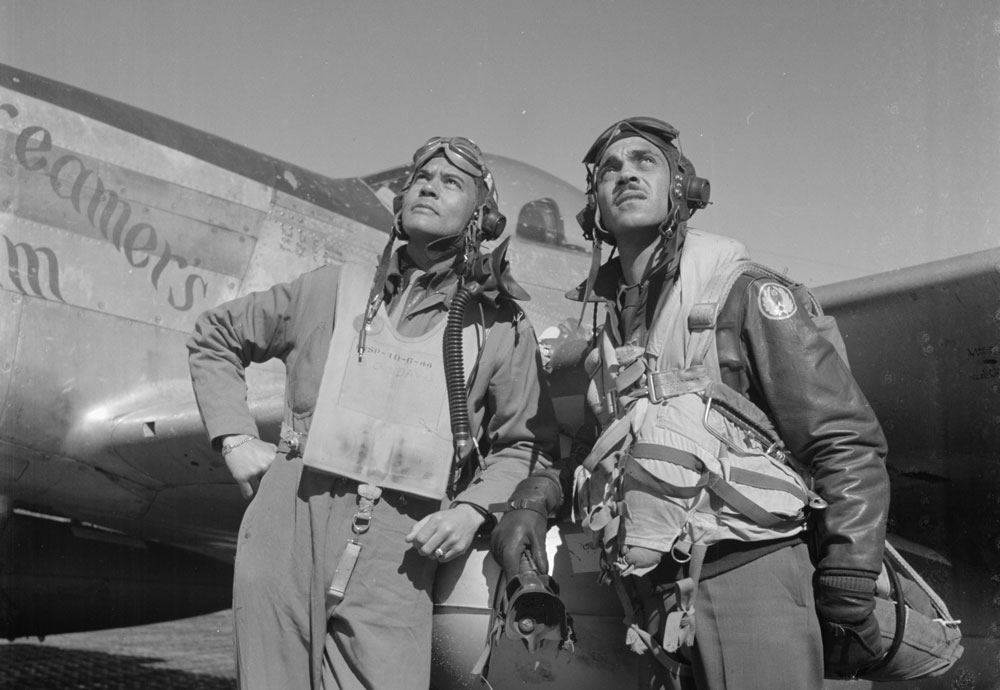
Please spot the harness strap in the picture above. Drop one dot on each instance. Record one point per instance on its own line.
(342, 575)
(724, 490)
(680, 623)
(630, 374)
(662, 488)
(661, 385)
(610, 441)
(654, 451)
(703, 315)
(715, 483)
(758, 480)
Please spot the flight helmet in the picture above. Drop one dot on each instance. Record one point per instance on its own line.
(688, 192)
(487, 223)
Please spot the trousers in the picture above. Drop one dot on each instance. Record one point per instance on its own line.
(290, 542)
(755, 629)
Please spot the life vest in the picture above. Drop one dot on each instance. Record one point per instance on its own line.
(684, 461)
(383, 419)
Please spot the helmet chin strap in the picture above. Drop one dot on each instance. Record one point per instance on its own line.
(595, 264)
(468, 245)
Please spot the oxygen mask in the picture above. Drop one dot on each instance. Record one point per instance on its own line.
(533, 611)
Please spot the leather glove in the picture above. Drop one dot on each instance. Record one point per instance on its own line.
(845, 604)
(523, 527)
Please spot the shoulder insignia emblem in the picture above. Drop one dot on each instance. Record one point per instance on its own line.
(775, 301)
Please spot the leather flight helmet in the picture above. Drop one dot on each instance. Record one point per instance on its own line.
(688, 191)
(465, 155)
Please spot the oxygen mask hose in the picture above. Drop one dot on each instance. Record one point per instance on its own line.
(454, 372)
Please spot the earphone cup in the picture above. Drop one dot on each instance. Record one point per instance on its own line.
(493, 222)
(587, 220)
(690, 194)
(397, 216)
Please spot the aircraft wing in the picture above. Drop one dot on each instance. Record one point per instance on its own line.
(924, 343)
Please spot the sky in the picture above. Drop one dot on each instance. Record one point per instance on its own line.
(841, 138)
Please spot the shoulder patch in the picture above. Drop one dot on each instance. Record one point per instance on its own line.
(775, 301)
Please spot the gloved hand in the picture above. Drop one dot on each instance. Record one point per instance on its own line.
(845, 603)
(522, 528)
(520, 531)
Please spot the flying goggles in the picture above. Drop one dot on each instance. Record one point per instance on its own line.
(694, 191)
(657, 132)
(461, 152)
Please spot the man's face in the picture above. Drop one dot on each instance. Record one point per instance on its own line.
(439, 202)
(632, 186)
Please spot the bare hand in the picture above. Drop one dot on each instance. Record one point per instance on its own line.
(248, 462)
(451, 531)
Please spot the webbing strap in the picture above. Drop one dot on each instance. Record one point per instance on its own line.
(715, 483)
(655, 451)
(703, 315)
(663, 488)
(718, 485)
(629, 375)
(342, 575)
(610, 440)
(669, 384)
(679, 627)
(759, 480)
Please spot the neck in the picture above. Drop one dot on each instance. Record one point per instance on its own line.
(638, 251)
(429, 253)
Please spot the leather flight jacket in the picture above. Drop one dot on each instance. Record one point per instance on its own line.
(785, 366)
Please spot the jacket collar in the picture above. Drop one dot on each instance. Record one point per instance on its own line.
(609, 277)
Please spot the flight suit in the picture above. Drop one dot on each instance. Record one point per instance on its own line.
(755, 621)
(295, 528)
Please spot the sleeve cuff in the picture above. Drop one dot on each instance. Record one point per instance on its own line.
(489, 520)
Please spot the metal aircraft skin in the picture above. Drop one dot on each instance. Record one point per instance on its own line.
(118, 227)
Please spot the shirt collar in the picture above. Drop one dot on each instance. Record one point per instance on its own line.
(440, 279)
(610, 280)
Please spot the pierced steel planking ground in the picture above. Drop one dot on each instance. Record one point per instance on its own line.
(190, 654)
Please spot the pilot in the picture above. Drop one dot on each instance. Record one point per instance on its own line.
(334, 568)
(737, 482)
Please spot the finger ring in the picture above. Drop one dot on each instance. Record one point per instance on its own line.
(438, 553)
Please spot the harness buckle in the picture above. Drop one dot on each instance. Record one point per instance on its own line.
(651, 389)
(294, 440)
(361, 523)
(709, 401)
(773, 450)
(368, 495)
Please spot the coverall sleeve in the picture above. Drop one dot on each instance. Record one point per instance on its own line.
(827, 424)
(511, 398)
(225, 341)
